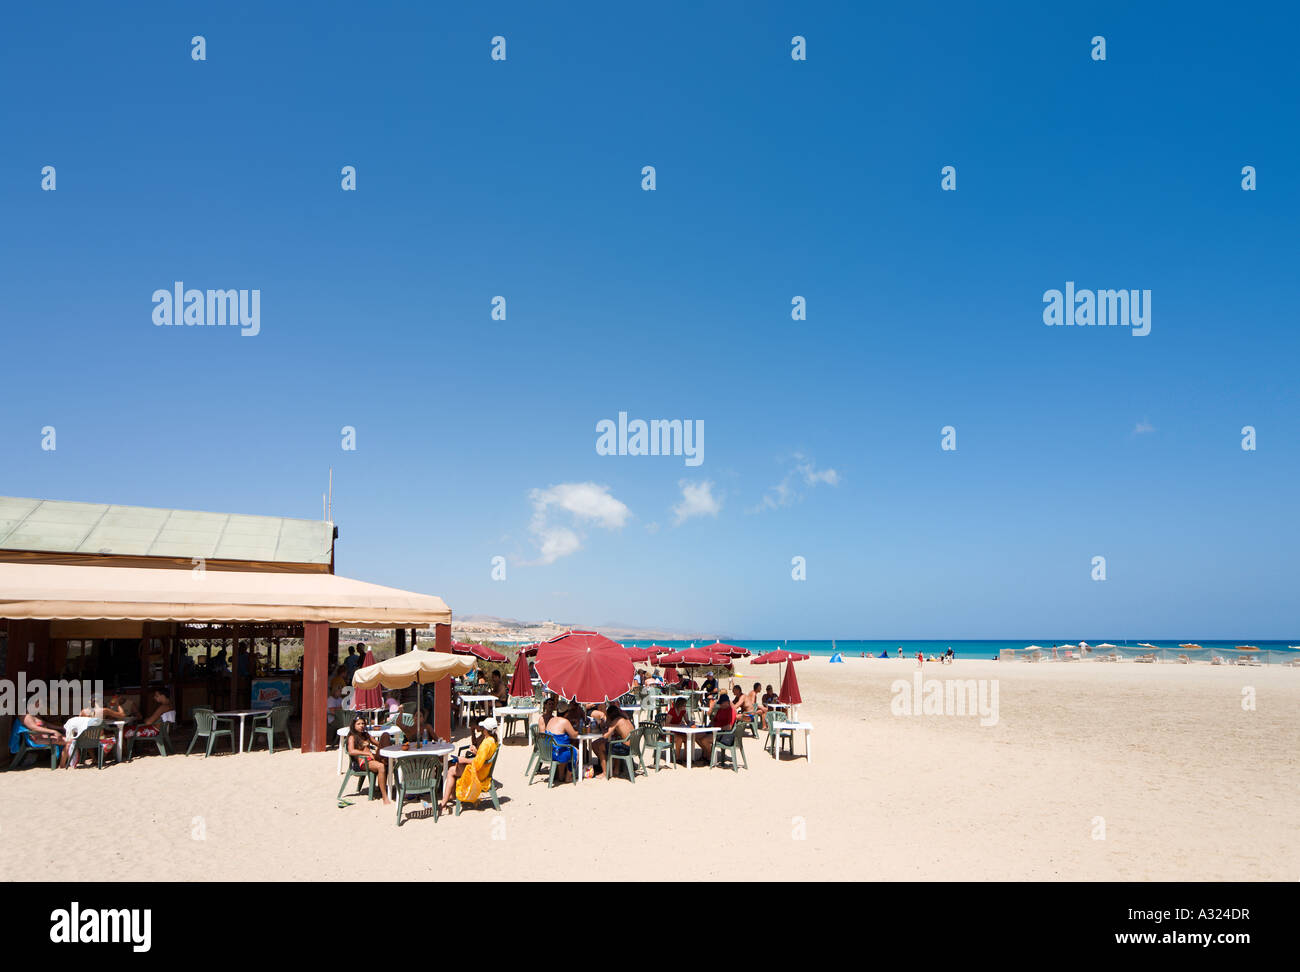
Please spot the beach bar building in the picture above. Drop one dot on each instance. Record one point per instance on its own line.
(122, 595)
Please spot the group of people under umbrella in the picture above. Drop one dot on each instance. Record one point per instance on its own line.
(581, 668)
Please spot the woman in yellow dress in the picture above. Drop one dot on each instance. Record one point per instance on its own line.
(469, 776)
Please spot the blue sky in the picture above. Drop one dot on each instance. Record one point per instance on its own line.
(775, 178)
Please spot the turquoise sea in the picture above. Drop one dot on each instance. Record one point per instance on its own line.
(1270, 652)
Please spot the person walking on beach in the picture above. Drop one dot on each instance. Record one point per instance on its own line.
(920, 659)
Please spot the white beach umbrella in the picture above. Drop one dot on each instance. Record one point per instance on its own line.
(416, 666)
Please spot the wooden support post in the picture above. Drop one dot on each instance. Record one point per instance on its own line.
(442, 690)
(399, 637)
(315, 684)
(233, 658)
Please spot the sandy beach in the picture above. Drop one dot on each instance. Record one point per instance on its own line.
(1161, 761)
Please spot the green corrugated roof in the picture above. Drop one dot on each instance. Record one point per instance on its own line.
(55, 526)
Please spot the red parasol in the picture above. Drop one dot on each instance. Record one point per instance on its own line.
(368, 698)
(585, 667)
(731, 651)
(778, 656)
(530, 649)
(789, 693)
(478, 651)
(670, 676)
(638, 654)
(694, 656)
(521, 684)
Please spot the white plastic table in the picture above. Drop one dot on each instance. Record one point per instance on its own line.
(465, 701)
(515, 710)
(585, 739)
(690, 732)
(807, 728)
(121, 727)
(243, 714)
(393, 753)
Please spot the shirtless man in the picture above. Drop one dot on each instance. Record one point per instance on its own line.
(614, 739)
(749, 702)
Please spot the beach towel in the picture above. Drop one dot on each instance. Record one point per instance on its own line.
(16, 738)
(561, 748)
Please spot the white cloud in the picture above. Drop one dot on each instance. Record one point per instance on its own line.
(1143, 428)
(586, 504)
(697, 500)
(799, 477)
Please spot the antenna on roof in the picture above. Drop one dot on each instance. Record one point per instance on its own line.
(330, 509)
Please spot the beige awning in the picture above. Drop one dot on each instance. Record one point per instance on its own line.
(412, 666)
(145, 594)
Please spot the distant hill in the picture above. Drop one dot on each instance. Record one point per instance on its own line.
(486, 627)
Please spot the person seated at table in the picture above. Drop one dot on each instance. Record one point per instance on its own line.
(112, 709)
(547, 713)
(469, 775)
(42, 735)
(561, 729)
(78, 724)
(678, 716)
(724, 717)
(422, 731)
(364, 753)
(598, 716)
(710, 686)
(499, 687)
(656, 678)
(686, 682)
(149, 729)
(749, 702)
(614, 738)
(769, 696)
(338, 679)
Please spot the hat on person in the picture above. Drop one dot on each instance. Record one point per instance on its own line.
(489, 724)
